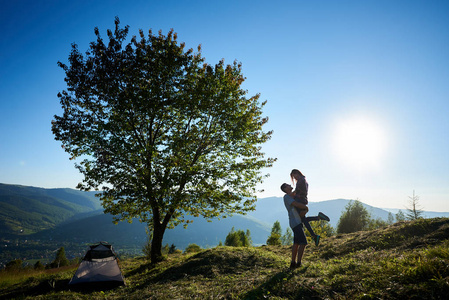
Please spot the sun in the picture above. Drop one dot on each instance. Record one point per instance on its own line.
(359, 143)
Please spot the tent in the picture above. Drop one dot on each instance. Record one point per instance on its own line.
(99, 265)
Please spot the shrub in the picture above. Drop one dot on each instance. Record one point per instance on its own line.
(321, 228)
(274, 239)
(237, 238)
(192, 248)
(14, 265)
(172, 249)
(39, 266)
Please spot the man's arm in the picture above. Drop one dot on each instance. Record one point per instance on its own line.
(300, 205)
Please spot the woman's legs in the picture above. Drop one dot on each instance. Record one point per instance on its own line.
(306, 223)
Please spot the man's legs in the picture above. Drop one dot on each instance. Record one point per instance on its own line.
(301, 249)
(297, 254)
(294, 252)
(299, 244)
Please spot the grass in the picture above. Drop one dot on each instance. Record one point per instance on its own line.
(407, 260)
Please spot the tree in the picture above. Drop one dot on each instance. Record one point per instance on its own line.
(248, 236)
(275, 236)
(376, 223)
(390, 219)
(287, 238)
(165, 135)
(60, 259)
(400, 216)
(276, 229)
(237, 238)
(172, 249)
(354, 218)
(414, 211)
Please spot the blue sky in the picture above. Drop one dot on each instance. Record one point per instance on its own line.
(357, 91)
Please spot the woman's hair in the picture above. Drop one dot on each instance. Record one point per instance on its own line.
(295, 172)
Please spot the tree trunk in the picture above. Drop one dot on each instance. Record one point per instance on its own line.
(156, 243)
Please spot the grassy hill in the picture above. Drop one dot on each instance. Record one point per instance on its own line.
(26, 210)
(408, 260)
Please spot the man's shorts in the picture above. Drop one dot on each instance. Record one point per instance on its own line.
(299, 237)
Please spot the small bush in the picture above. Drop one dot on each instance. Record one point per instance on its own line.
(39, 266)
(191, 248)
(237, 239)
(14, 265)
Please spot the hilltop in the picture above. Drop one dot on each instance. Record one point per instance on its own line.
(403, 261)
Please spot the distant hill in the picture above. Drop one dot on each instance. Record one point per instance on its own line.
(26, 210)
(126, 236)
(270, 210)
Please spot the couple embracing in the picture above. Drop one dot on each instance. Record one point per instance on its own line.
(295, 201)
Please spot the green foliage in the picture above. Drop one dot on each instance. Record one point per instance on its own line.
(164, 133)
(248, 236)
(276, 229)
(275, 236)
(377, 223)
(354, 218)
(321, 228)
(166, 249)
(172, 249)
(274, 240)
(287, 238)
(60, 259)
(400, 216)
(14, 265)
(390, 219)
(191, 248)
(39, 266)
(238, 238)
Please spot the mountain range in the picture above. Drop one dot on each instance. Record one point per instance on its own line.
(27, 210)
(73, 218)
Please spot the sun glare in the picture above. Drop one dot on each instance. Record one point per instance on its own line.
(359, 143)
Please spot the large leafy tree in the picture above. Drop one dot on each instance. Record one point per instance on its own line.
(164, 134)
(355, 218)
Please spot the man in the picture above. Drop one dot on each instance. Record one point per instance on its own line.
(299, 237)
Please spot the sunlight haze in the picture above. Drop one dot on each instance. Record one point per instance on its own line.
(360, 143)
